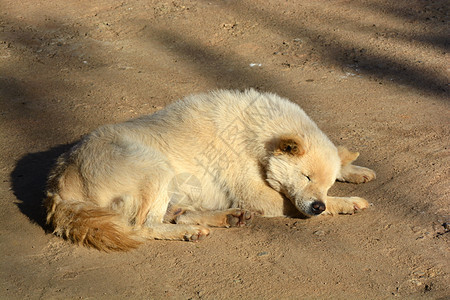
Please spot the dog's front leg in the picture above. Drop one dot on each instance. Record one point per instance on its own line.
(355, 174)
(350, 172)
(344, 205)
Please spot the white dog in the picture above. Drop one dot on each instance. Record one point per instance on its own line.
(207, 160)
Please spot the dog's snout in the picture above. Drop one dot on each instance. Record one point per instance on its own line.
(317, 207)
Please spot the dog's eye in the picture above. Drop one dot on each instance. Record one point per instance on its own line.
(307, 177)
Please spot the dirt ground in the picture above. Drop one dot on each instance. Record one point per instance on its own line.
(372, 74)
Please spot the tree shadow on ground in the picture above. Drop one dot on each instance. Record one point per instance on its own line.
(431, 15)
(29, 179)
(342, 52)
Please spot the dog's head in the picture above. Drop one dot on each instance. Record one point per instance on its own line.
(303, 171)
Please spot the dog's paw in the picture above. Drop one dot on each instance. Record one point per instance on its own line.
(196, 233)
(358, 203)
(345, 205)
(238, 218)
(356, 174)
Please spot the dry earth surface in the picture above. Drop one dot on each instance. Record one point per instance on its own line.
(372, 74)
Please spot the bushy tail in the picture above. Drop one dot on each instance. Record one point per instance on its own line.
(90, 225)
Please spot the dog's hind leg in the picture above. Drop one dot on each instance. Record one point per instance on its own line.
(155, 199)
(350, 172)
(344, 205)
(233, 217)
(154, 227)
(148, 174)
(174, 232)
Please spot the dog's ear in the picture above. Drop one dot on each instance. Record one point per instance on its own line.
(292, 145)
(346, 156)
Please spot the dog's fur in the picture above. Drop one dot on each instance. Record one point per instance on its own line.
(240, 153)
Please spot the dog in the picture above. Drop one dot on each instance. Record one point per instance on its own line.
(208, 160)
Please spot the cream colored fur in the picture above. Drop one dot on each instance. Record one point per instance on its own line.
(237, 153)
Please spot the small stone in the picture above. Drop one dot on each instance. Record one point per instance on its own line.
(237, 280)
(319, 232)
(419, 273)
(262, 253)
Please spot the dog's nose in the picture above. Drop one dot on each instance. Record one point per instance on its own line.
(317, 207)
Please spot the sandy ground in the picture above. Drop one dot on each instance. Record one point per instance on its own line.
(372, 74)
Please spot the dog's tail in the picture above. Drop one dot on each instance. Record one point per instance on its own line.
(90, 225)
